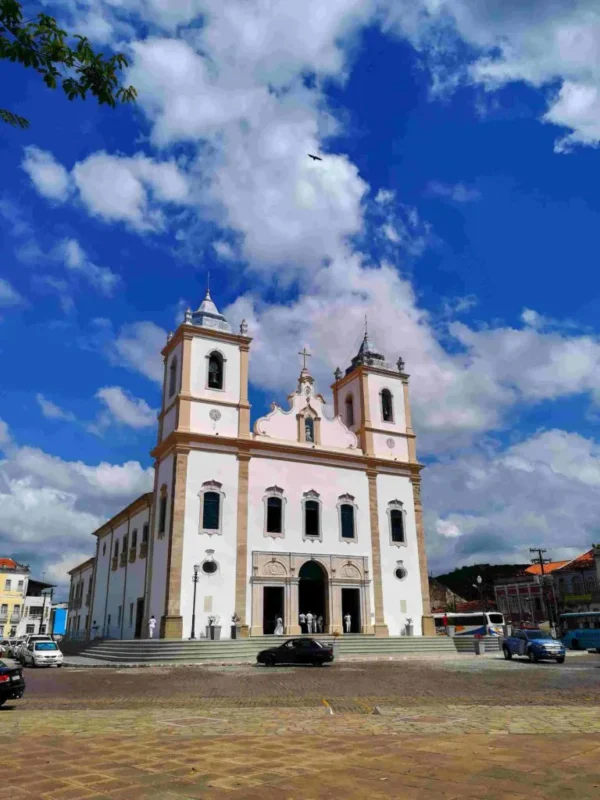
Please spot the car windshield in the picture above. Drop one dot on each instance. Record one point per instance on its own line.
(45, 646)
(537, 635)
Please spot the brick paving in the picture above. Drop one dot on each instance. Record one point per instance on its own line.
(463, 728)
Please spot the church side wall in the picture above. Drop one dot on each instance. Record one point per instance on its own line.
(295, 478)
(215, 593)
(160, 545)
(169, 421)
(102, 570)
(408, 590)
(226, 425)
(350, 388)
(134, 588)
(176, 353)
(115, 589)
(376, 384)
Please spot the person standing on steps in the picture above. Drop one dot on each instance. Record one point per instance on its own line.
(309, 622)
(151, 627)
(302, 621)
(348, 623)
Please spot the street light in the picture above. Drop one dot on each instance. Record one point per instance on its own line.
(195, 582)
(479, 587)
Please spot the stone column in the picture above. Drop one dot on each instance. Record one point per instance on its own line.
(292, 625)
(256, 628)
(241, 556)
(337, 623)
(428, 623)
(410, 434)
(366, 431)
(244, 409)
(381, 629)
(171, 624)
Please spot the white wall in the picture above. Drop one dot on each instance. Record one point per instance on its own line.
(376, 383)
(201, 348)
(102, 573)
(295, 478)
(201, 422)
(135, 574)
(350, 388)
(161, 545)
(175, 353)
(115, 588)
(221, 467)
(392, 487)
(169, 421)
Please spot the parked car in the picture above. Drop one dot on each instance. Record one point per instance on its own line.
(42, 654)
(12, 645)
(297, 651)
(534, 644)
(24, 643)
(12, 683)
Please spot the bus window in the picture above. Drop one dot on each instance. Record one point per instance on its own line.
(496, 619)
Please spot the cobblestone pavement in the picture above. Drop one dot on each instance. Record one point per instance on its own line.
(468, 728)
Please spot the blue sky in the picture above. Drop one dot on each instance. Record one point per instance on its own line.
(456, 205)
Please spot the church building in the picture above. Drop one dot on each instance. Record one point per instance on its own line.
(308, 512)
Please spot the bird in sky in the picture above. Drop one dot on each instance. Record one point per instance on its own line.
(315, 158)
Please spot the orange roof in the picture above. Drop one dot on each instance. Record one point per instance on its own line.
(8, 563)
(535, 569)
(582, 561)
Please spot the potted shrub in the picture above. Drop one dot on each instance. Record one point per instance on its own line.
(213, 629)
(235, 625)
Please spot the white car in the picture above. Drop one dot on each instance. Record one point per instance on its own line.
(20, 648)
(42, 654)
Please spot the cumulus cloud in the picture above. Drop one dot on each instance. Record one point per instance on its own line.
(125, 409)
(74, 257)
(138, 346)
(49, 177)
(457, 192)
(51, 411)
(9, 296)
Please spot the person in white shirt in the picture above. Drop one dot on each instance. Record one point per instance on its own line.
(348, 622)
(309, 622)
(279, 627)
(302, 621)
(151, 626)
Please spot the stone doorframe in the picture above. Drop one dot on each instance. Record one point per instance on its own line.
(282, 569)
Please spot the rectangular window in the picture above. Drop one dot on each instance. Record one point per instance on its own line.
(116, 550)
(211, 511)
(274, 515)
(16, 611)
(125, 541)
(8, 584)
(347, 521)
(145, 533)
(162, 514)
(397, 525)
(130, 614)
(30, 629)
(119, 615)
(134, 538)
(20, 585)
(311, 516)
(4, 610)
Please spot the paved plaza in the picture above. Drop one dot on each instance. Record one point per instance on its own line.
(409, 728)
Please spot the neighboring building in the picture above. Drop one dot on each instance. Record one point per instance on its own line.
(442, 598)
(576, 584)
(58, 619)
(306, 513)
(80, 600)
(529, 597)
(36, 608)
(14, 578)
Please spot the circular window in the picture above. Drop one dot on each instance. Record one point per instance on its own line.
(400, 573)
(209, 567)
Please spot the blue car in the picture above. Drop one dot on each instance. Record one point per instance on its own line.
(534, 645)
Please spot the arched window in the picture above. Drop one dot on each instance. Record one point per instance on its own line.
(311, 502)
(347, 521)
(395, 512)
(173, 376)
(387, 406)
(349, 411)
(210, 514)
(211, 507)
(215, 371)
(309, 429)
(274, 512)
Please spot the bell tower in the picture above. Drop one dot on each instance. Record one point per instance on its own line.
(205, 388)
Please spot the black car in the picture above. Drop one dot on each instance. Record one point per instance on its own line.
(297, 651)
(12, 683)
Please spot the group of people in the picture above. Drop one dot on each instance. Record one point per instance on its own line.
(311, 623)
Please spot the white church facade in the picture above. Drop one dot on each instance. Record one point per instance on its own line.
(308, 512)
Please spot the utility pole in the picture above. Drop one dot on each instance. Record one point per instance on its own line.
(541, 561)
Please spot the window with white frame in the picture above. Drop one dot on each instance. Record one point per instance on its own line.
(397, 523)
(347, 517)
(387, 406)
(211, 507)
(173, 376)
(274, 503)
(311, 516)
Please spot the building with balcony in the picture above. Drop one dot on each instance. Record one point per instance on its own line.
(36, 608)
(14, 579)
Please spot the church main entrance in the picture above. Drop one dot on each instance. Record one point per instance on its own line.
(312, 591)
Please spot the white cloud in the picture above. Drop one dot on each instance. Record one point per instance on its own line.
(51, 411)
(9, 296)
(49, 177)
(76, 260)
(138, 347)
(125, 409)
(457, 192)
(4, 433)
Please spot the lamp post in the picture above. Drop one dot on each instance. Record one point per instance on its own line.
(479, 587)
(195, 582)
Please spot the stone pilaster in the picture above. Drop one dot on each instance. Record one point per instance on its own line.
(381, 628)
(171, 624)
(428, 621)
(241, 557)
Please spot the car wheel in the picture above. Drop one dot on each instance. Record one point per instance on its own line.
(560, 660)
(317, 663)
(507, 653)
(532, 657)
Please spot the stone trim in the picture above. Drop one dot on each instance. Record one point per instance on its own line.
(241, 555)
(192, 331)
(381, 628)
(171, 624)
(412, 444)
(365, 431)
(150, 559)
(244, 405)
(427, 618)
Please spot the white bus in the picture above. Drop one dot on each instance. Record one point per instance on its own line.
(488, 623)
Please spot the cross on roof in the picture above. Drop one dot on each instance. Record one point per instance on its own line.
(305, 354)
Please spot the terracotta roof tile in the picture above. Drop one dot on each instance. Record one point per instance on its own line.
(535, 569)
(8, 563)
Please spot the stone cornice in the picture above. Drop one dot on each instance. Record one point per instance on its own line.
(365, 369)
(193, 331)
(138, 504)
